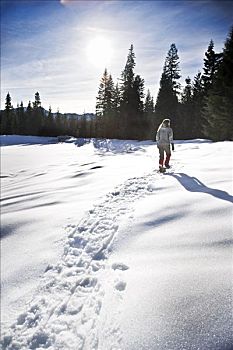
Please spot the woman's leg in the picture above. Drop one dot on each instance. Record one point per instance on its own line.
(161, 156)
(168, 155)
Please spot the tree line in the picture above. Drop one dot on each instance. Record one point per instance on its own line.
(203, 108)
(35, 120)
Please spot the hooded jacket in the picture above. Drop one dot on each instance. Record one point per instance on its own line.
(164, 135)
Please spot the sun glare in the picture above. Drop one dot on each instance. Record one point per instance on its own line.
(99, 51)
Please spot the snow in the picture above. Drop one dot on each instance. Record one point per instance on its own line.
(100, 251)
(9, 140)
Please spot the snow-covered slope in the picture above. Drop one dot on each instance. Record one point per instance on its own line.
(133, 259)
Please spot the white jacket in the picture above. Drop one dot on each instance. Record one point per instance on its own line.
(164, 135)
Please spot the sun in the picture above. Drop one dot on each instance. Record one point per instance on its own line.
(99, 51)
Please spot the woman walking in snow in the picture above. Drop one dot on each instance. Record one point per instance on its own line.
(164, 138)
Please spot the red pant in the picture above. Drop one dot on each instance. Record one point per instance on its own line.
(167, 150)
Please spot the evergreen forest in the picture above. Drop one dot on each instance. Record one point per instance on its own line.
(203, 108)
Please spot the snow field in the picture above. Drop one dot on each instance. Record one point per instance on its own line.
(147, 267)
(45, 187)
(71, 292)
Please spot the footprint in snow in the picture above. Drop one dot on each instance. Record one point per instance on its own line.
(119, 266)
(120, 286)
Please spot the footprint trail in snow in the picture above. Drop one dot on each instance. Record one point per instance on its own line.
(65, 313)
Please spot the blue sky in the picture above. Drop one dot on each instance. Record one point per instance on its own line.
(61, 47)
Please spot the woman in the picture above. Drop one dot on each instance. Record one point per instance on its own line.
(164, 138)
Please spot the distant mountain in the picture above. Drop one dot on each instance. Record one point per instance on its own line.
(88, 116)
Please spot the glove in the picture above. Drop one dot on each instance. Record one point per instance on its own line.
(173, 148)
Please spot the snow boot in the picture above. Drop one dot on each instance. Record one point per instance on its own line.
(162, 169)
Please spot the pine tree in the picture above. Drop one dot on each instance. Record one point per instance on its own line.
(37, 102)
(149, 116)
(218, 112)
(50, 111)
(167, 99)
(186, 96)
(22, 119)
(211, 64)
(16, 121)
(149, 104)
(104, 105)
(59, 124)
(197, 86)
(8, 105)
(137, 122)
(172, 68)
(49, 127)
(38, 122)
(187, 119)
(29, 106)
(198, 103)
(116, 111)
(7, 117)
(127, 94)
(29, 119)
(101, 104)
(127, 76)
(138, 89)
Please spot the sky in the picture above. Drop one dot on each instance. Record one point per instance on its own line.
(60, 48)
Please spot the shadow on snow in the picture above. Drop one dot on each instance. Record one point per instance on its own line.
(192, 184)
